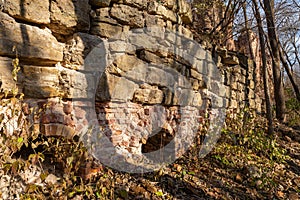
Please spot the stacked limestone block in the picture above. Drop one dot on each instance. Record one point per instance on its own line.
(240, 81)
(150, 85)
(113, 65)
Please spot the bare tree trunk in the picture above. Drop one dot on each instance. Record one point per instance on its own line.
(247, 30)
(296, 52)
(277, 76)
(265, 70)
(289, 73)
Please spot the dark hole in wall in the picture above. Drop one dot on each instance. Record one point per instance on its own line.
(157, 141)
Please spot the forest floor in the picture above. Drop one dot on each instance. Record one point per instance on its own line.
(237, 168)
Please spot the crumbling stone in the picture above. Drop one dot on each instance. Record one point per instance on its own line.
(130, 65)
(34, 11)
(69, 16)
(28, 42)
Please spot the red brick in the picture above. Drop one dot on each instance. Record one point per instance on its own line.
(80, 113)
(69, 121)
(68, 108)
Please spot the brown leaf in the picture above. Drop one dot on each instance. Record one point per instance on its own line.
(280, 194)
(144, 141)
(239, 178)
(293, 196)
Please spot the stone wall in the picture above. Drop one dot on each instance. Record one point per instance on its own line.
(240, 76)
(130, 65)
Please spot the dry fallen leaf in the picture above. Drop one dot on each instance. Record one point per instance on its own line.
(52, 179)
(238, 177)
(293, 196)
(280, 194)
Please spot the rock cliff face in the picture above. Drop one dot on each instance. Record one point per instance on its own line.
(130, 68)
